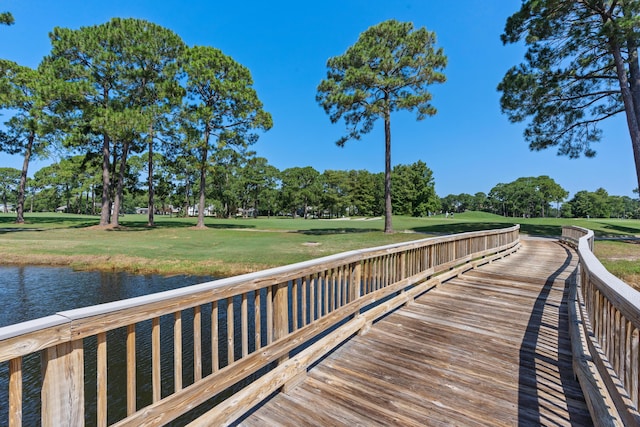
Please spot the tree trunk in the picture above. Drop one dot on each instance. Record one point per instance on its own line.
(151, 222)
(388, 228)
(203, 177)
(187, 191)
(67, 194)
(23, 179)
(634, 65)
(634, 83)
(631, 110)
(634, 76)
(106, 184)
(201, 198)
(117, 200)
(105, 208)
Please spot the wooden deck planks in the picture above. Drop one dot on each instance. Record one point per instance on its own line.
(488, 348)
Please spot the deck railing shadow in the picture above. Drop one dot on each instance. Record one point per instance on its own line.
(531, 358)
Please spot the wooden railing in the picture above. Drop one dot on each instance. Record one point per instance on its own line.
(247, 335)
(605, 324)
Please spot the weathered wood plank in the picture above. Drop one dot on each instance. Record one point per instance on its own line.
(32, 336)
(215, 360)
(156, 381)
(230, 332)
(177, 350)
(197, 343)
(63, 385)
(244, 324)
(15, 392)
(131, 369)
(257, 321)
(102, 380)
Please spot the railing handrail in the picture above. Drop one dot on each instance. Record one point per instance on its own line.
(297, 303)
(608, 311)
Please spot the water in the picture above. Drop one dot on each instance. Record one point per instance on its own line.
(28, 293)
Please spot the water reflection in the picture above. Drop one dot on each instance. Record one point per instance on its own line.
(28, 293)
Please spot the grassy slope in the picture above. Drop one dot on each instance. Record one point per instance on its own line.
(226, 247)
(236, 245)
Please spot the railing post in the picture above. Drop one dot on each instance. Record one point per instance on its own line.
(63, 385)
(280, 311)
(15, 392)
(356, 278)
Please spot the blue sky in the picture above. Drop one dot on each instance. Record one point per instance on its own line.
(469, 145)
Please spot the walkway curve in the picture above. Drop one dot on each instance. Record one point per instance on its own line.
(490, 347)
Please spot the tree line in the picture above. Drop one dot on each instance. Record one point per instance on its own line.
(249, 187)
(238, 186)
(540, 197)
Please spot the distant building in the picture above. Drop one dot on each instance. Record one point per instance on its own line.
(168, 210)
(246, 213)
(208, 211)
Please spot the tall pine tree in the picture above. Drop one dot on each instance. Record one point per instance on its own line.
(388, 69)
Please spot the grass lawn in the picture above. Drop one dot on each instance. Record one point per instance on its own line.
(233, 246)
(621, 258)
(226, 247)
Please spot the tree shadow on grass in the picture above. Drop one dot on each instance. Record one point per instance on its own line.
(463, 227)
(32, 223)
(458, 227)
(541, 230)
(127, 224)
(142, 226)
(449, 228)
(614, 229)
(6, 230)
(330, 231)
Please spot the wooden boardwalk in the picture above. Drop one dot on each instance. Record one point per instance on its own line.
(488, 348)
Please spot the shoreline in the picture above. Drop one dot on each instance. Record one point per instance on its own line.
(132, 265)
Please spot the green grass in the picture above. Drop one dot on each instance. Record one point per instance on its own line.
(226, 247)
(232, 246)
(621, 258)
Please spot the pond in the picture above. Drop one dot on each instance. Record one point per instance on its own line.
(28, 293)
